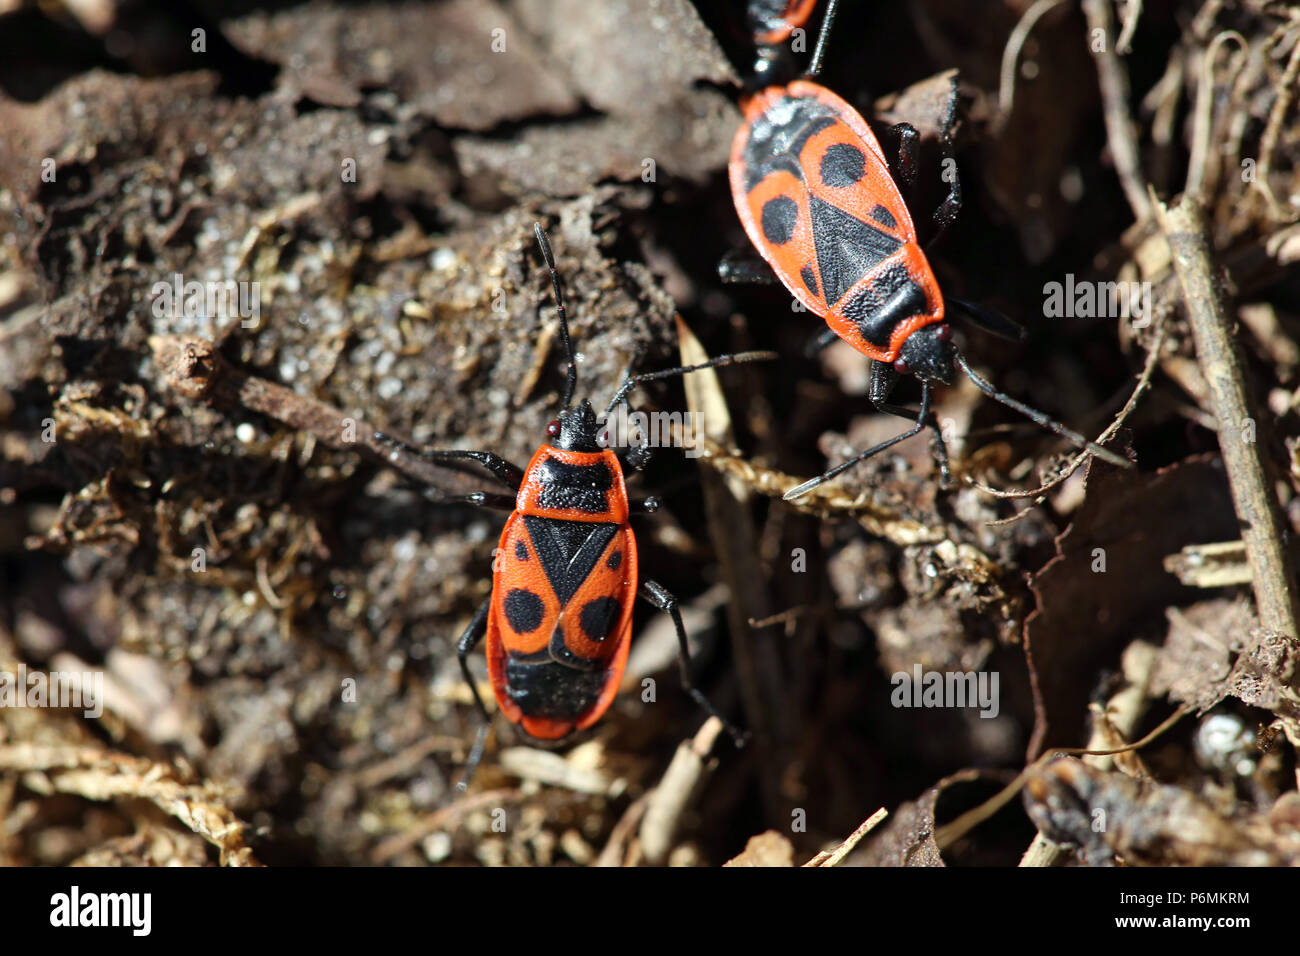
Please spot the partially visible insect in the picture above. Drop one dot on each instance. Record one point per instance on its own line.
(558, 622)
(771, 24)
(816, 196)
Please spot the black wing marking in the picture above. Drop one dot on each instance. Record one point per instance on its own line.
(568, 550)
(847, 248)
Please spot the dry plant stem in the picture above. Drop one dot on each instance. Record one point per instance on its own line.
(1144, 381)
(1203, 112)
(621, 850)
(104, 775)
(836, 856)
(1268, 142)
(1124, 709)
(1120, 131)
(1011, 55)
(1271, 567)
(1132, 13)
(196, 370)
(825, 501)
(1042, 852)
(731, 530)
(441, 819)
(669, 800)
(948, 834)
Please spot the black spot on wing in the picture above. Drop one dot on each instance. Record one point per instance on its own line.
(598, 617)
(521, 551)
(843, 164)
(780, 216)
(847, 248)
(615, 560)
(568, 550)
(884, 217)
(809, 280)
(524, 611)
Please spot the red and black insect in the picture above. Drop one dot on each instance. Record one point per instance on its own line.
(771, 24)
(818, 200)
(558, 622)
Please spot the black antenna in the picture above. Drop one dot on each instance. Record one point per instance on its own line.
(990, 320)
(1040, 419)
(815, 64)
(632, 381)
(571, 384)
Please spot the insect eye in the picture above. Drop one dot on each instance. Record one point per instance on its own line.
(901, 367)
(943, 333)
(553, 428)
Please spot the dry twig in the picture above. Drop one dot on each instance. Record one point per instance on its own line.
(1271, 566)
(105, 775)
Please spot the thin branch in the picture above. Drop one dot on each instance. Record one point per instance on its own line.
(1011, 56)
(1132, 13)
(1144, 381)
(670, 799)
(1120, 131)
(1203, 112)
(1268, 142)
(1272, 570)
(836, 856)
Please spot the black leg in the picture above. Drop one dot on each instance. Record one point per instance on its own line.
(921, 419)
(468, 641)
(905, 165)
(940, 448)
(639, 457)
(656, 594)
(644, 506)
(949, 209)
(745, 267)
(883, 380)
(823, 340)
(510, 475)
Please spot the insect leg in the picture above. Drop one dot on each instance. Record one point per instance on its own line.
(743, 267)
(905, 164)
(657, 595)
(940, 446)
(921, 420)
(510, 475)
(822, 341)
(468, 641)
(644, 506)
(883, 380)
(949, 209)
